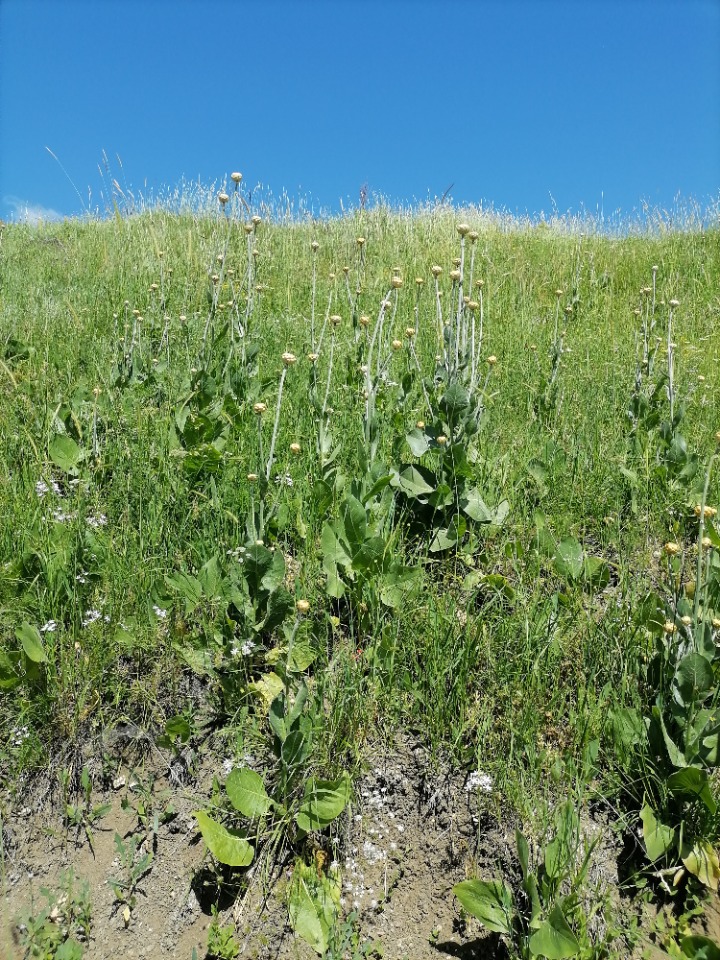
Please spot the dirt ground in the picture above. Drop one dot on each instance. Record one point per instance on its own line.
(410, 835)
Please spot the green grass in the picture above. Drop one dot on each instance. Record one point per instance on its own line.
(496, 656)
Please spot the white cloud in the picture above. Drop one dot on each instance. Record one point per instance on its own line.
(32, 213)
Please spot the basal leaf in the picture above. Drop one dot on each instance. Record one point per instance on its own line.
(554, 939)
(31, 641)
(225, 845)
(65, 453)
(489, 901)
(324, 800)
(247, 793)
(702, 862)
(657, 837)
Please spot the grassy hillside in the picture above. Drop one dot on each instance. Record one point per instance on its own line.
(423, 473)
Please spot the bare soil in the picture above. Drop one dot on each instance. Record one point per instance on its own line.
(412, 833)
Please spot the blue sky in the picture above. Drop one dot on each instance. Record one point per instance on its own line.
(524, 106)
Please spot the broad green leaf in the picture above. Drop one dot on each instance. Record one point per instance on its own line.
(354, 523)
(455, 401)
(267, 687)
(700, 948)
(657, 837)
(209, 577)
(554, 939)
(694, 677)
(187, 586)
(692, 782)
(275, 573)
(324, 800)
(65, 453)
(702, 862)
(9, 676)
(226, 846)
(569, 558)
(418, 442)
(313, 904)
(489, 901)
(295, 749)
(247, 793)
(414, 481)
(31, 641)
(370, 555)
(475, 507)
(333, 550)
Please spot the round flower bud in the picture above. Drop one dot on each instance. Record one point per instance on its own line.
(302, 607)
(686, 621)
(153, 287)
(396, 283)
(706, 542)
(256, 219)
(492, 360)
(716, 623)
(314, 246)
(259, 408)
(455, 275)
(252, 477)
(223, 198)
(441, 439)
(479, 284)
(312, 357)
(215, 278)
(669, 626)
(258, 542)
(674, 303)
(559, 292)
(289, 359)
(457, 261)
(236, 177)
(360, 241)
(397, 345)
(420, 424)
(463, 229)
(364, 321)
(473, 235)
(708, 513)
(701, 378)
(336, 319)
(295, 448)
(436, 271)
(568, 309)
(409, 332)
(419, 281)
(672, 549)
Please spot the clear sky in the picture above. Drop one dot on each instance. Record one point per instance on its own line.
(524, 105)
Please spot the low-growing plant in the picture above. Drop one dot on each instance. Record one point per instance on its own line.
(60, 929)
(550, 914)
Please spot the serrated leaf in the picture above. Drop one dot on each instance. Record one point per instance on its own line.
(247, 793)
(227, 846)
(489, 901)
(31, 641)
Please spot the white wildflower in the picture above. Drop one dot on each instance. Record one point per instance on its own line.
(479, 781)
(91, 616)
(49, 627)
(41, 488)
